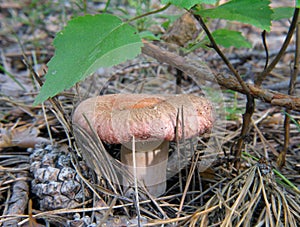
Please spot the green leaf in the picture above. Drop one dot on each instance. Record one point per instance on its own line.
(298, 3)
(148, 35)
(255, 12)
(228, 38)
(210, 2)
(86, 44)
(187, 4)
(282, 13)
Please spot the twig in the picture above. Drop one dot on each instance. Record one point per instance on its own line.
(284, 46)
(282, 155)
(199, 71)
(263, 35)
(220, 53)
(150, 13)
(247, 116)
(250, 106)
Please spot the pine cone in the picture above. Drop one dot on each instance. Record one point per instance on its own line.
(56, 183)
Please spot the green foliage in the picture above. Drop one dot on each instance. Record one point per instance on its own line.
(148, 35)
(228, 38)
(87, 43)
(255, 12)
(188, 4)
(282, 13)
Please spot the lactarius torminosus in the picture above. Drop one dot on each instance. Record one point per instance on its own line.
(153, 121)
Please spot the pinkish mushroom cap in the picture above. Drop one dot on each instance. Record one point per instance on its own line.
(117, 118)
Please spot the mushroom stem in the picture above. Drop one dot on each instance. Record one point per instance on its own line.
(151, 166)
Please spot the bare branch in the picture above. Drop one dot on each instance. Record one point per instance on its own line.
(201, 71)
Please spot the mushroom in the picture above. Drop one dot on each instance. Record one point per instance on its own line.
(153, 121)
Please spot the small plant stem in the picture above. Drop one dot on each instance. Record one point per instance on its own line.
(285, 44)
(150, 13)
(263, 35)
(85, 6)
(223, 57)
(250, 108)
(106, 6)
(250, 105)
(287, 119)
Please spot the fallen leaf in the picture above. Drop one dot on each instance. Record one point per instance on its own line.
(22, 136)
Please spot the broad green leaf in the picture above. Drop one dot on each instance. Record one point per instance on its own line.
(282, 13)
(228, 38)
(87, 43)
(211, 2)
(187, 4)
(255, 12)
(298, 3)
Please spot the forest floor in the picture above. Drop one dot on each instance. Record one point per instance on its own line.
(200, 194)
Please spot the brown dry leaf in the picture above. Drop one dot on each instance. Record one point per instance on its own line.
(184, 29)
(209, 173)
(22, 136)
(275, 119)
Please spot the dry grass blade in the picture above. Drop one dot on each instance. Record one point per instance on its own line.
(252, 203)
(97, 157)
(289, 218)
(250, 199)
(233, 211)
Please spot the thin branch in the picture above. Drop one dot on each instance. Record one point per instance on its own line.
(220, 53)
(200, 71)
(150, 13)
(263, 36)
(285, 44)
(250, 106)
(293, 79)
(247, 116)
